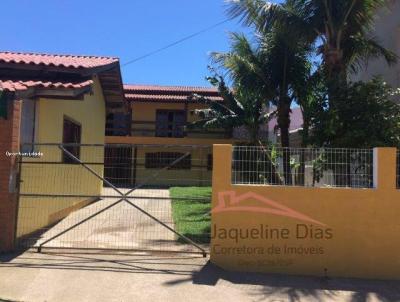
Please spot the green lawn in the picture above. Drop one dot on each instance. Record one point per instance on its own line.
(191, 208)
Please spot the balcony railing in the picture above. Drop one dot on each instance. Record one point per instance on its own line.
(151, 129)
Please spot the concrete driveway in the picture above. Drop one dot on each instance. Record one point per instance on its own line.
(121, 226)
(33, 277)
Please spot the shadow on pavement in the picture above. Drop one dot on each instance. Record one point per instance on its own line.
(120, 263)
(195, 270)
(302, 288)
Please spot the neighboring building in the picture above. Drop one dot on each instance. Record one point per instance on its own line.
(51, 99)
(296, 125)
(387, 31)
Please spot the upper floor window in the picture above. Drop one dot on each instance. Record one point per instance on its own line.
(72, 138)
(170, 123)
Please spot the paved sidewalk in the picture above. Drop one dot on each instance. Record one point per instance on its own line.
(33, 277)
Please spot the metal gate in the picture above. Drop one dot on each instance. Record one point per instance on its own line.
(115, 197)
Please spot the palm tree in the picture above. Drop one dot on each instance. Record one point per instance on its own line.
(248, 101)
(240, 107)
(269, 72)
(245, 65)
(288, 68)
(339, 29)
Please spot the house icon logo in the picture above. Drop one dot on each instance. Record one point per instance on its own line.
(228, 201)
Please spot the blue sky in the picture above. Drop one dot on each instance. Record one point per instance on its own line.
(126, 29)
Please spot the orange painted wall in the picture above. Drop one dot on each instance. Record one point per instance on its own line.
(364, 226)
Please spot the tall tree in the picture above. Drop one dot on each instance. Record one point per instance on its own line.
(272, 69)
(339, 28)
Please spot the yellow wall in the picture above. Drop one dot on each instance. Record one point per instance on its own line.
(364, 225)
(38, 212)
(196, 146)
(198, 175)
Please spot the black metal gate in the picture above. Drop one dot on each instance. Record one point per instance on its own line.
(115, 197)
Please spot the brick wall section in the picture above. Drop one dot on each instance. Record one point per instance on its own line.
(9, 141)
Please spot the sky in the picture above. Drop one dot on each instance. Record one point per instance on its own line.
(125, 29)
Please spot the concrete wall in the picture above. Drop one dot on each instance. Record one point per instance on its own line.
(307, 231)
(56, 178)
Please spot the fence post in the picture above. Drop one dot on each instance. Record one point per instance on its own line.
(384, 168)
(222, 166)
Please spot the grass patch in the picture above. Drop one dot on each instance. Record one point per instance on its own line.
(191, 208)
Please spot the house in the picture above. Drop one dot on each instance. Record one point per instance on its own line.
(387, 30)
(51, 99)
(158, 130)
(133, 135)
(296, 125)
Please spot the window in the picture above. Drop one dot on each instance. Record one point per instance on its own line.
(170, 123)
(71, 135)
(28, 125)
(159, 160)
(118, 124)
(3, 105)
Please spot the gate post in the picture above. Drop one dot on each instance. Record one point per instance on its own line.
(222, 166)
(384, 168)
(9, 142)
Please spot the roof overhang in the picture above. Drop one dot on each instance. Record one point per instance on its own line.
(113, 91)
(54, 93)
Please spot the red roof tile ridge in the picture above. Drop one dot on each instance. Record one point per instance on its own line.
(44, 54)
(166, 87)
(18, 85)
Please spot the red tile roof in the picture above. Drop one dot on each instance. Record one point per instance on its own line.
(13, 85)
(174, 89)
(158, 93)
(163, 98)
(67, 61)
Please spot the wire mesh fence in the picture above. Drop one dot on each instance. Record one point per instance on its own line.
(303, 167)
(130, 197)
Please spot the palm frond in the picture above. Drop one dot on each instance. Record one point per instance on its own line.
(360, 49)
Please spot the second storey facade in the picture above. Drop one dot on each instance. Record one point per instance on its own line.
(164, 111)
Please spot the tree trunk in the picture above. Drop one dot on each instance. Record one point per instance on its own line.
(273, 177)
(284, 124)
(300, 179)
(336, 77)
